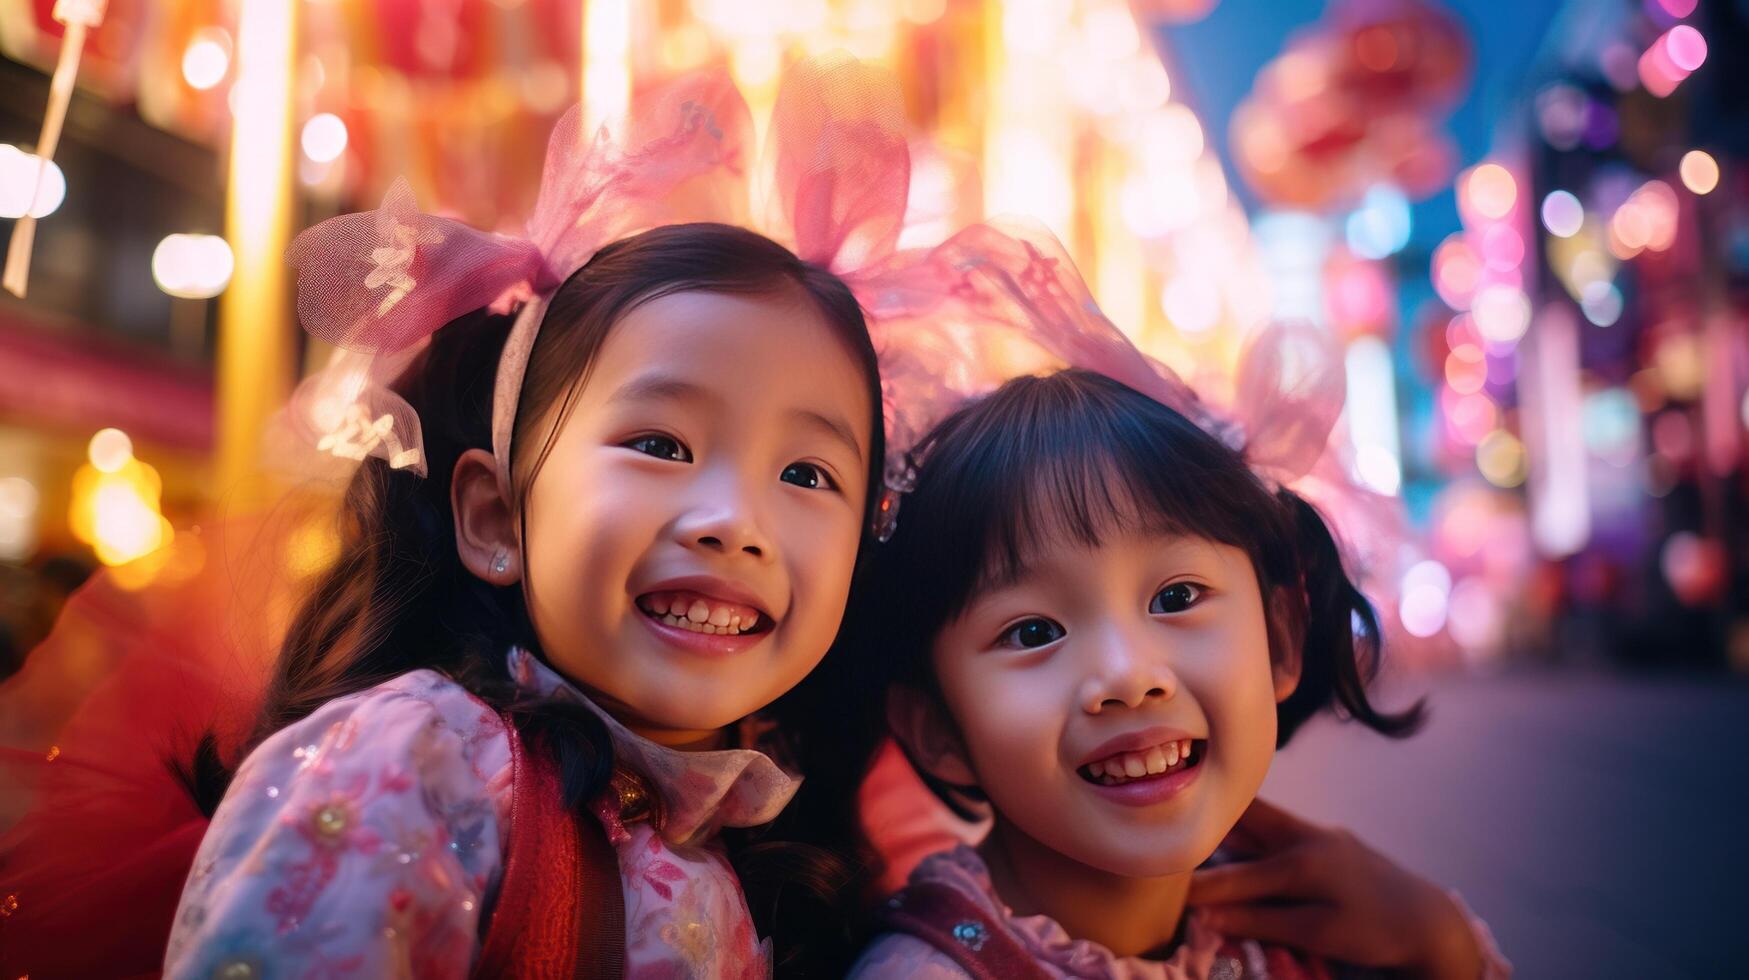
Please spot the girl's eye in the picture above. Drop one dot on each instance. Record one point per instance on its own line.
(1176, 597)
(661, 447)
(806, 475)
(1031, 634)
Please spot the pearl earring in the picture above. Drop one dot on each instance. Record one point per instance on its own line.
(500, 563)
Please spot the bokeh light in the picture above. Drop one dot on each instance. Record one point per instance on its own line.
(324, 137)
(1502, 313)
(110, 450)
(192, 266)
(1500, 458)
(1381, 225)
(1490, 190)
(207, 59)
(18, 179)
(1562, 214)
(1700, 172)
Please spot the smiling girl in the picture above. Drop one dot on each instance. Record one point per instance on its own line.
(511, 731)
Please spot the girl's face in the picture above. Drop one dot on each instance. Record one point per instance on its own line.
(1103, 661)
(690, 538)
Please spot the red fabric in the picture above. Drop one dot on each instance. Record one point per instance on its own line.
(560, 912)
(99, 831)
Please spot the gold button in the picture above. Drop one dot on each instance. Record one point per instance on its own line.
(330, 820)
(235, 970)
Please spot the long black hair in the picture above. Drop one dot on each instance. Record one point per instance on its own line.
(1078, 453)
(399, 599)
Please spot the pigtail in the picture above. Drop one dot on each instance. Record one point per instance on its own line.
(1340, 638)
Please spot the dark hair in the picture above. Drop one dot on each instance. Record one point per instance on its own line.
(1080, 454)
(399, 599)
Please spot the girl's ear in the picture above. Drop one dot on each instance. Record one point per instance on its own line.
(485, 522)
(1287, 626)
(928, 737)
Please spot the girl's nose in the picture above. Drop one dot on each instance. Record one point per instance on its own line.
(1126, 672)
(725, 522)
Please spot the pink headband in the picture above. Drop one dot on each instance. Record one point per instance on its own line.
(951, 322)
(378, 284)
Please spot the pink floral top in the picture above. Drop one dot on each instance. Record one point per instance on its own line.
(368, 840)
(1200, 956)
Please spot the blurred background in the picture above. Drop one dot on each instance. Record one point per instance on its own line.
(1527, 221)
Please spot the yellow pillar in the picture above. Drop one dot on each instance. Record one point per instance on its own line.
(255, 364)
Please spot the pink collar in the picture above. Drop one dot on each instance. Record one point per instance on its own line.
(701, 791)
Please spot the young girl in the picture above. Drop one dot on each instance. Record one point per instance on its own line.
(1098, 613)
(1100, 622)
(510, 730)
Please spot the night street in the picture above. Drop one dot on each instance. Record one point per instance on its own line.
(1597, 823)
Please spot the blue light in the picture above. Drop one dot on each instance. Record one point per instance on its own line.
(1381, 225)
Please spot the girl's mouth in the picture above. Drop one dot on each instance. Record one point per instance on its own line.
(699, 613)
(1155, 762)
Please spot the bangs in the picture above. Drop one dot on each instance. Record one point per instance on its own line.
(1072, 458)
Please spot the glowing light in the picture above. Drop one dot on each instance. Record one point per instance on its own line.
(1469, 417)
(1560, 514)
(1611, 424)
(1560, 112)
(1474, 620)
(1457, 270)
(110, 450)
(206, 60)
(1171, 137)
(1428, 574)
(607, 73)
(1466, 369)
(324, 137)
(1371, 408)
(1601, 303)
(192, 266)
(1500, 458)
(1192, 303)
(1700, 172)
(116, 512)
(1696, 567)
(19, 500)
(19, 181)
(923, 11)
(1422, 610)
(1502, 248)
(1381, 225)
(1490, 190)
(1679, 8)
(1671, 59)
(1034, 178)
(1686, 47)
(1359, 296)
(1111, 32)
(1502, 313)
(1563, 215)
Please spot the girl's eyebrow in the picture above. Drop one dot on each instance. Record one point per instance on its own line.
(664, 387)
(832, 426)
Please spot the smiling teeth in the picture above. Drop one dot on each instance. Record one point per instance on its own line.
(698, 616)
(1127, 766)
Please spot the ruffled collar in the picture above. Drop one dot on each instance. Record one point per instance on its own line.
(701, 791)
(964, 870)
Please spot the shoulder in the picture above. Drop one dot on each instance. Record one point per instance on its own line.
(420, 723)
(897, 954)
(373, 823)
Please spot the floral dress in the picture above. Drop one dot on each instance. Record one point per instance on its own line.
(368, 840)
